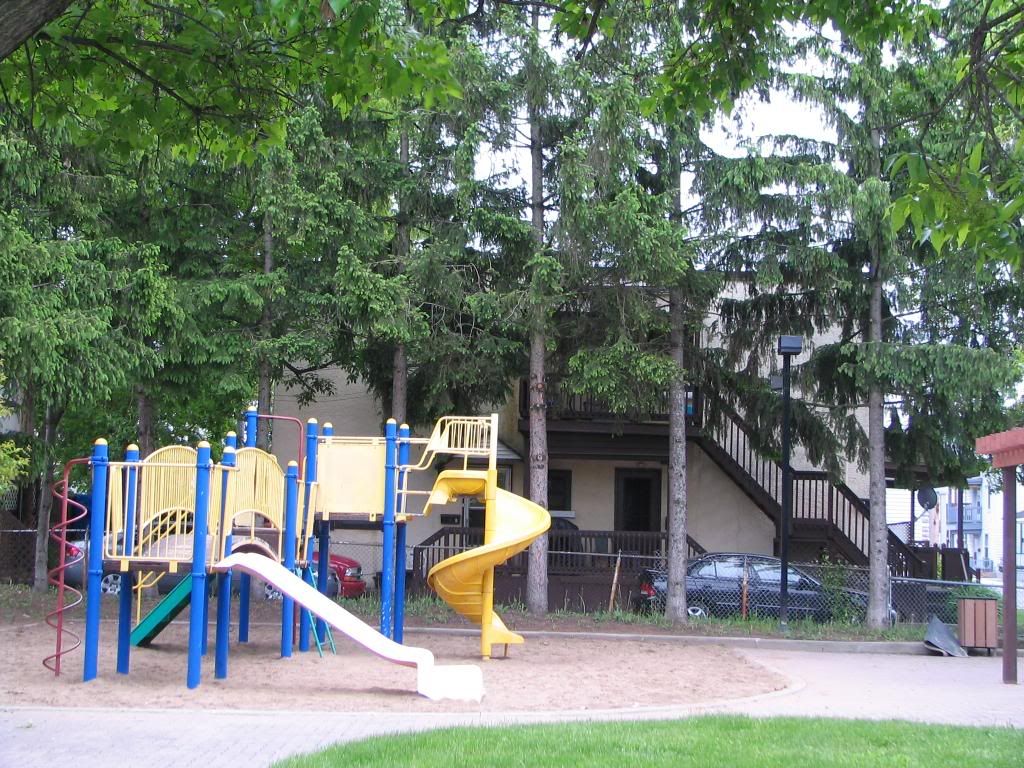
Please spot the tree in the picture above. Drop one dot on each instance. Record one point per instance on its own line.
(966, 187)
(821, 257)
(621, 235)
(187, 73)
(20, 19)
(76, 302)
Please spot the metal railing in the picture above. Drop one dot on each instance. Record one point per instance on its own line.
(569, 552)
(564, 403)
(815, 495)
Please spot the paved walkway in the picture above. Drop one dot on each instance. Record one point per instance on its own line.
(927, 689)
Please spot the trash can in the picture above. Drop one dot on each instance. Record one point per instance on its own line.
(978, 622)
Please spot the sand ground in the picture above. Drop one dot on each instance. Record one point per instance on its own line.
(546, 673)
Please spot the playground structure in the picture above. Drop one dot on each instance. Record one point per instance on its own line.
(177, 511)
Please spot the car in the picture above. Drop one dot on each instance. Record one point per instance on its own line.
(270, 592)
(715, 587)
(75, 555)
(348, 572)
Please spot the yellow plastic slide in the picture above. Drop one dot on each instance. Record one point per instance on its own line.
(466, 581)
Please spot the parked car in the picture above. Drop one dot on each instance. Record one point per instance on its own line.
(714, 587)
(75, 555)
(270, 592)
(348, 572)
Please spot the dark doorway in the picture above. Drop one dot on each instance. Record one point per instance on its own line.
(638, 499)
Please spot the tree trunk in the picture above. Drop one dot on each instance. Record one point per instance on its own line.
(537, 584)
(675, 607)
(263, 396)
(675, 598)
(20, 19)
(399, 384)
(39, 579)
(147, 427)
(878, 531)
(400, 364)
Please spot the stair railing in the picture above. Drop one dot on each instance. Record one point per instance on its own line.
(815, 495)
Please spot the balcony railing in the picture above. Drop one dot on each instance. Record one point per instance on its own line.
(972, 513)
(564, 404)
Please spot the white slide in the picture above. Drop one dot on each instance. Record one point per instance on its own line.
(464, 682)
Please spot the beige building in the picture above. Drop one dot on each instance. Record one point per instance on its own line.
(612, 476)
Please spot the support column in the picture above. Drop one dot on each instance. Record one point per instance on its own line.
(197, 601)
(387, 579)
(291, 516)
(97, 522)
(124, 617)
(224, 579)
(1009, 575)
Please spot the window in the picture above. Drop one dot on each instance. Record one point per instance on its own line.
(560, 489)
(704, 570)
(475, 511)
(730, 568)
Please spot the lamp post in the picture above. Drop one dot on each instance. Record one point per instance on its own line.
(788, 346)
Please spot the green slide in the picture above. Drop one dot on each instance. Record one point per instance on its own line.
(164, 613)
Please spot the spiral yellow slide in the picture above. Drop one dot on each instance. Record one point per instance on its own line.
(466, 581)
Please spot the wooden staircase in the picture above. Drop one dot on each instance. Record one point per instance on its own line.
(827, 516)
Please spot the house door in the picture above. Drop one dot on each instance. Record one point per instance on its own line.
(638, 499)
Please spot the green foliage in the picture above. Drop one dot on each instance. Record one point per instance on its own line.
(185, 74)
(969, 591)
(623, 376)
(837, 597)
(965, 178)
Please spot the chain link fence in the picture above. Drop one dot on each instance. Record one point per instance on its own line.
(727, 585)
(17, 555)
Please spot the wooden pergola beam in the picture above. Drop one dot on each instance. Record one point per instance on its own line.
(1007, 452)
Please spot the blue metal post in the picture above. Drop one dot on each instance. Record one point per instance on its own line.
(251, 417)
(324, 552)
(403, 460)
(244, 580)
(309, 478)
(387, 586)
(290, 518)
(97, 515)
(224, 579)
(197, 617)
(124, 616)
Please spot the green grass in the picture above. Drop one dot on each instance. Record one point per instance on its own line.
(736, 742)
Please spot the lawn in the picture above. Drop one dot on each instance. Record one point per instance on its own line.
(736, 742)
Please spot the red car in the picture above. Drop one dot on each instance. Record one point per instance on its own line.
(349, 573)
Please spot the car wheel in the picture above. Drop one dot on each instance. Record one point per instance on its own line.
(111, 584)
(270, 592)
(698, 611)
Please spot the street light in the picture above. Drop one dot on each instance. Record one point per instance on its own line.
(788, 346)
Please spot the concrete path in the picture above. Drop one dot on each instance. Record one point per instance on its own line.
(927, 689)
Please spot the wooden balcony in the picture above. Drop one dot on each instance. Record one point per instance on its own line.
(563, 404)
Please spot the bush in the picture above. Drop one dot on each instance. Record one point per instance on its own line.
(975, 591)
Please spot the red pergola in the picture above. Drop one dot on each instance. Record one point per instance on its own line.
(1007, 451)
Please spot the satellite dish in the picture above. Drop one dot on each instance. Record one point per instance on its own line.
(926, 497)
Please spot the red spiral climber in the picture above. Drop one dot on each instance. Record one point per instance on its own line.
(55, 576)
